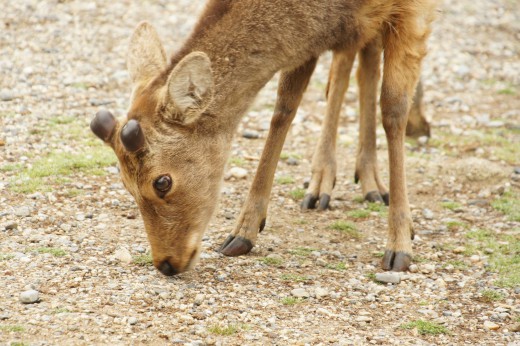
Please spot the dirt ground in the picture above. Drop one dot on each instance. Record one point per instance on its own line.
(71, 232)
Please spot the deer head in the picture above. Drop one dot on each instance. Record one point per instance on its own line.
(171, 161)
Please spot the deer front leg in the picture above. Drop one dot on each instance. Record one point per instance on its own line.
(403, 55)
(367, 171)
(254, 212)
(324, 158)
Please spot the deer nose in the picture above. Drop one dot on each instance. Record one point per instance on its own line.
(167, 269)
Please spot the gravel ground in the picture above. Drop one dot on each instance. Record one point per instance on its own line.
(74, 263)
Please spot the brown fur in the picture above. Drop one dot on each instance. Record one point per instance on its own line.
(189, 109)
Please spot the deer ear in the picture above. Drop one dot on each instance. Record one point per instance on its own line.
(146, 56)
(190, 87)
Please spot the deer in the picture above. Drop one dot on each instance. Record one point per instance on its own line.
(174, 143)
(323, 169)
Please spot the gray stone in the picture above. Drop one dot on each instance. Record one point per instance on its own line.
(23, 211)
(250, 134)
(6, 96)
(427, 214)
(291, 161)
(29, 297)
(132, 321)
(11, 226)
(300, 293)
(388, 277)
(321, 292)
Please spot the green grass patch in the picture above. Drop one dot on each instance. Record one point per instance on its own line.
(377, 207)
(451, 205)
(454, 225)
(13, 328)
(425, 327)
(18, 343)
(297, 194)
(143, 260)
(6, 257)
(11, 167)
(358, 214)
(337, 266)
(237, 161)
(55, 168)
(56, 252)
(509, 205)
(492, 296)
(302, 251)
(457, 264)
(294, 278)
(359, 199)
(378, 254)
(271, 261)
(507, 91)
(347, 228)
(482, 235)
(223, 330)
(285, 156)
(291, 300)
(285, 180)
(60, 311)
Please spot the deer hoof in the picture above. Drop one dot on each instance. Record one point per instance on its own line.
(373, 197)
(235, 246)
(309, 201)
(396, 261)
(324, 201)
(386, 198)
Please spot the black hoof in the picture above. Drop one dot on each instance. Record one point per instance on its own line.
(324, 201)
(235, 246)
(396, 261)
(309, 201)
(356, 178)
(374, 197)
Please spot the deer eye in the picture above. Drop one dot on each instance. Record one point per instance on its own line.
(163, 184)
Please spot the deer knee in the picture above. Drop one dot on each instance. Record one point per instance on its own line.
(281, 117)
(395, 111)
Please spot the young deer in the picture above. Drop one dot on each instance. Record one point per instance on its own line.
(324, 158)
(183, 114)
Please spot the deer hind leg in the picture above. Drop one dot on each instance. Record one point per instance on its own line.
(403, 50)
(417, 125)
(254, 212)
(324, 158)
(367, 171)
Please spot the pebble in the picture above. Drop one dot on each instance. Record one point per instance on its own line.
(428, 214)
(237, 173)
(122, 254)
(291, 161)
(459, 249)
(413, 268)
(6, 96)
(516, 170)
(249, 134)
(199, 299)
(24, 211)
(427, 268)
(364, 319)
(132, 321)
(389, 277)
(300, 293)
(11, 226)
(29, 297)
(474, 258)
(491, 325)
(321, 292)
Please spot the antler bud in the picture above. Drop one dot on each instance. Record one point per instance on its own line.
(103, 124)
(132, 136)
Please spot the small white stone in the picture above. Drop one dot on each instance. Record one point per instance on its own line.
(474, 258)
(365, 319)
(388, 277)
(29, 297)
(321, 292)
(123, 255)
(199, 298)
(300, 293)
(324, 311)
(491, 325)
(413, 268)
(132, 321)
(237, 173)
(459, 249)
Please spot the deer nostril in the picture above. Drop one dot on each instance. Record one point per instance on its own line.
(167, 269)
